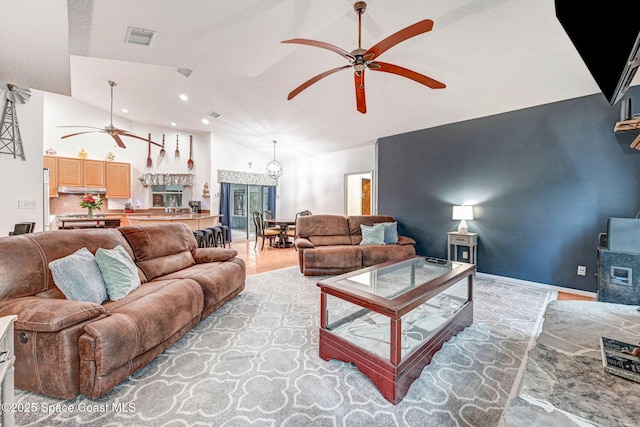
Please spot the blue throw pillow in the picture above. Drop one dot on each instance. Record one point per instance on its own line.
(78, 277)
(372, 235)
(390, 233)
(119, 272)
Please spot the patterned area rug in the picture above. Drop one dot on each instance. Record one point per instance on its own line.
(255, 362)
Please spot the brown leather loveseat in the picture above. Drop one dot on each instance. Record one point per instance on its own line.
(68, 347)
(330, 244)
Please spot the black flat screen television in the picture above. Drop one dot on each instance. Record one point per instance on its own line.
(606, 34)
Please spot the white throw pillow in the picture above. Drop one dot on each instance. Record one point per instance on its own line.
(78, 277)
(119, 272)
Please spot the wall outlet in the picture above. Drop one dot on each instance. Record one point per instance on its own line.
(582, 270)
(465, 255)
(26, 204)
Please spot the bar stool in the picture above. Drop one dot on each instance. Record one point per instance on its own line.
(226, 235)
(200, 238)
(209, 237)
(216, 235)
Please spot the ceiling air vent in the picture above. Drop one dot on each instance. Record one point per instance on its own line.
(185, 71)
(139, 36)
(214, 114)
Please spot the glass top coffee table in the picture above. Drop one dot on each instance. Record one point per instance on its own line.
(391, 318)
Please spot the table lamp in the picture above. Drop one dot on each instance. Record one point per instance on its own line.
(463, 213)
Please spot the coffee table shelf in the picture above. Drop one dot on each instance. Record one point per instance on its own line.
(391, 318)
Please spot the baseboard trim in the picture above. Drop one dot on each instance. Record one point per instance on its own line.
(537, 285)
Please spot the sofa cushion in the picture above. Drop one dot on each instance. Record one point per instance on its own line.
(376, 254)
(119, 272)
(337, 257)
(220, 281)
(161, 249)
(78, 277)
(372, 235)
(49, 314)
(322, 225)
(140, 321)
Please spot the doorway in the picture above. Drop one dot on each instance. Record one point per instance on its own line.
(359, 193)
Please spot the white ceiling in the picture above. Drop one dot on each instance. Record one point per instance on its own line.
(493, 55)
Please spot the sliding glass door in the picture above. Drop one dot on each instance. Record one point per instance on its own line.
(243, 201)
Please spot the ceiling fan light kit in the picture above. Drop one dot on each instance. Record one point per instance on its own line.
(361, 60)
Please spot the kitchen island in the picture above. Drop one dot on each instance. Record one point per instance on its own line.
(194, 221)
(86, 222)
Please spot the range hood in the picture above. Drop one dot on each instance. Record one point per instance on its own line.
(82, 190)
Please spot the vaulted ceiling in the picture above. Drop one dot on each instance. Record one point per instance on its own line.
(494, 56)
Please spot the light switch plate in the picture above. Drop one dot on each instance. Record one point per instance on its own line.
(26, 204)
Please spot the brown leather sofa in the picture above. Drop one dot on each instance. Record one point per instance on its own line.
(330, 244)
(65, 347)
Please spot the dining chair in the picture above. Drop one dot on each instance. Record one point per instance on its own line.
(291, 232)
(261, 231)
(22, 228)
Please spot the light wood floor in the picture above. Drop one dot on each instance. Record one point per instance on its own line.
(260, 261)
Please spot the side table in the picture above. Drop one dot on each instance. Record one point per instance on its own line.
(456, 239)
(7, 359)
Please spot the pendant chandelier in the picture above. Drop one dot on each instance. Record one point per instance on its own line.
(274, 168)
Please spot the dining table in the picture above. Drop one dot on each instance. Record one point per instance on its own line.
(282, 240)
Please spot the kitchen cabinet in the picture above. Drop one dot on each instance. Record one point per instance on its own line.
(75, 172)
(51, 163)
(94, 173)
(118, 180)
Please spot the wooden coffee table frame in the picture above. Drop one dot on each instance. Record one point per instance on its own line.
(393, 377)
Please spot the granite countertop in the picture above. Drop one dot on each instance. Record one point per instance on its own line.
(169, 217)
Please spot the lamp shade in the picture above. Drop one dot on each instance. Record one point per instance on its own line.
(462, 212)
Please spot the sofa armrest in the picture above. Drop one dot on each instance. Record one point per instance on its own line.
(404, 240)
(203, 255)
(301, 243)
(49, 314)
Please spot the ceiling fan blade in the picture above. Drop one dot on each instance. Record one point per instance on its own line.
(130, 135)
(85, 127)
(311, 81)
(402, 35)
(359, 84)
(118, 140)
(404, 72)
(322, 45)
(80, 133)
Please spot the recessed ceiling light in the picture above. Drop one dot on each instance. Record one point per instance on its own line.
(139, 36)
(205, 121)
(173, 124)
(184, 97)
(124, 110)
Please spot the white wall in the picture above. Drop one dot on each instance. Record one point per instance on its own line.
(22, 179)
(318, 183)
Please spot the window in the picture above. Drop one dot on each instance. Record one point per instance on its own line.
(169, 195)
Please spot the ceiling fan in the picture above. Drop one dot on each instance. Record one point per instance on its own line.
(361, 60)
(109, 129)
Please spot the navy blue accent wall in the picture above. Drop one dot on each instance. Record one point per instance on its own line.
(543, 182)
